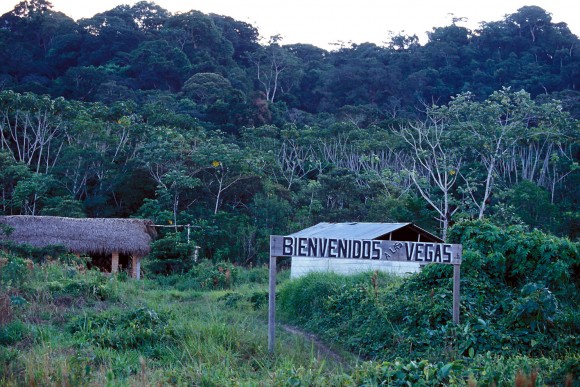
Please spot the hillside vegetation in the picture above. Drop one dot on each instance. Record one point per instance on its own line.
(224, 137)
(196, 119)
(64, 324)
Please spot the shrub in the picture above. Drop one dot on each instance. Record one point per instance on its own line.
(413, 373)
(536, 308)
(13, 270)
(140, 328)
(13, 332)
(170, 255)
(255, 275)
(208, 276)
(300, 300)
(415, 318)
(515, 256)
(349, 310)
(490, 369)
(93, 285)
(257, 299)
(37, 254)
(232, 299)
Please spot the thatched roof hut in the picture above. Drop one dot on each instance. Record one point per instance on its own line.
(82, 236)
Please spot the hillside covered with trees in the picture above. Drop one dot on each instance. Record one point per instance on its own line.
(191, 118)
(196, 120)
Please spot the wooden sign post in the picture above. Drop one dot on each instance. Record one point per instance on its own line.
(363, 249)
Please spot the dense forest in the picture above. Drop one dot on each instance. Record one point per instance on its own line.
(195, 119)
(224, 137)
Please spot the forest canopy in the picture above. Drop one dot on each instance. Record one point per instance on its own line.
(193, 118)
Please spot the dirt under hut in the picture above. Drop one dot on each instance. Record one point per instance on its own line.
(110, 242)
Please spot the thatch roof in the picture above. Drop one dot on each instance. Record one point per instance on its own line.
(84, 236)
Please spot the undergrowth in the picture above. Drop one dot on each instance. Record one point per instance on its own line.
(61, 324)
(519, 312)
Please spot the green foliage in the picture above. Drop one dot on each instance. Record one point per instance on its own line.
(65, 280)
(315, 288)
(253, 275)
(400, 373)
(41, 254)
(89, 287)
(536, 307)
(13, 270)
(518, 294)
(137, 338)
(140, 328)
(13, 332)
(310, 375)
(158, 93)
(206, 87)
(170, 254)
(532, 205)
(491, 369)
(11, 172)
(221, 275)
(63, 206)
(515, 256)
(346, 309)
(207, 275)
(356, 312)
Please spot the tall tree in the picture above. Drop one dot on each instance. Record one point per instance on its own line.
(157, 65)
(491, 129)
(277, 69)
(436, 163)
(32, 128)
(224, 166)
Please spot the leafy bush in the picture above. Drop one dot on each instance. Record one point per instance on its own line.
(13, 270)
(221, 275)
(301, 300)
(255, 275)
(170, 255)
(37, 254)
(95, 287)
(232, 299)
(256, 300)
(515, 256)
(490, 369)
(13, 332)
(140, 328)
(259, 299)
(536, 308)
(204, 276)
(344, 309)
(400, 373)
(518, 294)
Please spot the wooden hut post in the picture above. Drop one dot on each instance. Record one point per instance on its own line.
(114, 263)
(136, 267)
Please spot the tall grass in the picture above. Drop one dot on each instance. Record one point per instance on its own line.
(63, 325)
(78, 327)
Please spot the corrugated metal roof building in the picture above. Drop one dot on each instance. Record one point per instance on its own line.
(404, 232)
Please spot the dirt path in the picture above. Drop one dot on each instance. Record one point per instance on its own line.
(322, 350)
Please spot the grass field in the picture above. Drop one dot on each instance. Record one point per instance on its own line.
(63, 325)
(67, 327)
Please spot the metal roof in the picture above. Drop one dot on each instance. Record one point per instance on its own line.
(353, 230)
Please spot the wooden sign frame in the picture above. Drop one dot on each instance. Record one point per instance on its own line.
(359, 249)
